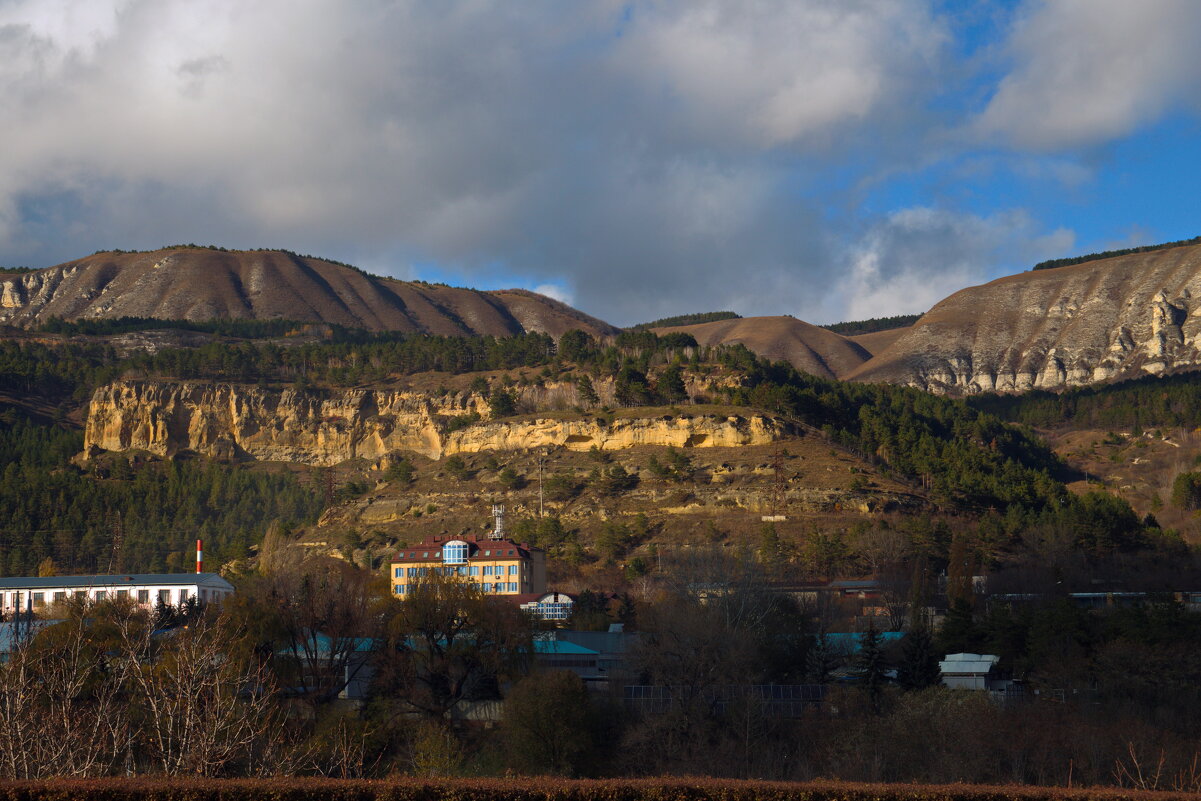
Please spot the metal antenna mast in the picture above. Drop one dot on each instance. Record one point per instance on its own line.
(498, 527)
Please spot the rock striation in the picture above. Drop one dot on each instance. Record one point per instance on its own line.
(199, 284)
(1048, 329)
(233, 421)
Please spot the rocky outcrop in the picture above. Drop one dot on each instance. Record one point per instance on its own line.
(1046, 329)
(329, 427)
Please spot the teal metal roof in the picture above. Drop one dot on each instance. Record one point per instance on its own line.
(560, 647)
(850, 643)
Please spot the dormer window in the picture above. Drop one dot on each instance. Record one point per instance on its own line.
(454, 553)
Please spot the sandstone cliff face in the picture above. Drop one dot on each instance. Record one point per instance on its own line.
(329, 427)
(1069, 326)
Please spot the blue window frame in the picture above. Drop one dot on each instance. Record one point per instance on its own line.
(512, 570)
(512, 586)
(474, 570)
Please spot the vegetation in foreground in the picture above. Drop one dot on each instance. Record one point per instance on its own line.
(529, 789)
(254, 688)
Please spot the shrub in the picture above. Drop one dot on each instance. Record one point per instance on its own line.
(561, 487)
(510, 479)
(1186, 491)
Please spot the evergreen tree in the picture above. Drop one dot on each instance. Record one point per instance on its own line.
(919, 661)
(959, 633)
(821, 659)
(165, 615)
(870, 664)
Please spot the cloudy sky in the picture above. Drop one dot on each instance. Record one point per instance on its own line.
(830, 159)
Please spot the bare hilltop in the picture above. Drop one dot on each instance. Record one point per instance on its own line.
(198, 284)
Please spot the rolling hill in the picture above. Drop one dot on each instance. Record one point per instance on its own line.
(199, 284)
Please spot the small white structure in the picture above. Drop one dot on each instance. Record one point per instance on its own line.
(549, 605)
(145, 589)
(969, 671)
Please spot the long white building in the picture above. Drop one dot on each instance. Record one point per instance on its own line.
(145, 589)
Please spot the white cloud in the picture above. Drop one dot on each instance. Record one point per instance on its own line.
(641, 157)
(557, 292)
(917, 256)
(1088, 71)
(770, 73)
(652, 156)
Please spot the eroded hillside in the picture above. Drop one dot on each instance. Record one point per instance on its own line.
(206, 284)
(1068, 326)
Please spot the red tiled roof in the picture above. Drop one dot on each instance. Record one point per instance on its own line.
(497, 549)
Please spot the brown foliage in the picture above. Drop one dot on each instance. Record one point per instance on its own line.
(653, 789)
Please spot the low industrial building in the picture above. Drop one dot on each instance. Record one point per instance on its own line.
(144, 589)
(970, 671)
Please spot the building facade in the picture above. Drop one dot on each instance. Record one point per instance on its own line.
(145, 589)
(500, 567)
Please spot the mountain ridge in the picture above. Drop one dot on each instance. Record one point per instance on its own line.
(201, 284)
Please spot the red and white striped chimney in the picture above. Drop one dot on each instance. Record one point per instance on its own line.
(199, 556)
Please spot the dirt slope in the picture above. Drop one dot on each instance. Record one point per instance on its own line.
(202, 284)
(815, 350)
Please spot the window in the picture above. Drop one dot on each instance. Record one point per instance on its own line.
(425, 555)
(510, 552)
(487, 570)
(455, 552)
(400, 589)
(474, 570)
(39, 599)
(487, 553)
(411, 572)
(438, 555)
(59, 597)
(143, 596)
(512, 586)
(164, 596)
(122, 593)
(80, 595)
(554, 611)
(512, 570)
(99, 596)
(398, 572)
(183, 595)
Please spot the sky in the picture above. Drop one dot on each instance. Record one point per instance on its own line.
(828, 159)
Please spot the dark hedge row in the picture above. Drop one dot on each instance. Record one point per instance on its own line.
(1051, 264)
(544, 790)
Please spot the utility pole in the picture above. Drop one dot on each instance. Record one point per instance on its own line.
(778, 481)
(541, 460)
(114, 557)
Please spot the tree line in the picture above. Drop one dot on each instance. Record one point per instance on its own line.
(54, 512)
(1137, 405)
(1108, 254)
